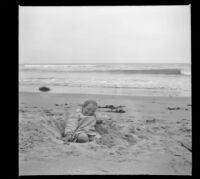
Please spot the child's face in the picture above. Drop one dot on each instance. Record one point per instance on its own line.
(89, 110)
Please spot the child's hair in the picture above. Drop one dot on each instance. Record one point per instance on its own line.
(89, 102)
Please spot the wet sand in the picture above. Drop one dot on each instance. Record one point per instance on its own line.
(153, 136)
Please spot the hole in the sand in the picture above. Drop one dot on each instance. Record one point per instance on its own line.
(51, 130)
(39, 132)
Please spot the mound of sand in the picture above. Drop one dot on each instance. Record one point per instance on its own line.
(112, 135)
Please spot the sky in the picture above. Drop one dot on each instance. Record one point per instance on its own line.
(104, 34)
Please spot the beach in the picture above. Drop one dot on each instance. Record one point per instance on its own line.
(151, 136)
(134, 61)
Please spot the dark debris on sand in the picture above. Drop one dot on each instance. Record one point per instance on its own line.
(186, 145)
(61, 104)
(115, 109)
(175, 108)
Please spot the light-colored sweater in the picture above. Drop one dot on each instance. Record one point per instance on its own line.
(78, 123)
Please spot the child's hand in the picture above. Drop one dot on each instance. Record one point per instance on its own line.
(66, 139)
(102, 118)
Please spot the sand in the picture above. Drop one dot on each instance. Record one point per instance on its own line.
(153, 136)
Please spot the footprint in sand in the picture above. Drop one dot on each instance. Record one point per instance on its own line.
(94, 148)
(73, 153)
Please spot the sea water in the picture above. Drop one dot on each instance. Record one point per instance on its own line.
(135, 79)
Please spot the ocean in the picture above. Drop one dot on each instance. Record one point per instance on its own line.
(135, 79)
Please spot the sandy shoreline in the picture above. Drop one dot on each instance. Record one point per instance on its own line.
(151, 137)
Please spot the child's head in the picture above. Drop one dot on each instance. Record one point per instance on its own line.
(89, 107)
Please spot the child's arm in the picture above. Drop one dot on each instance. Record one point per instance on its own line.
(71, 125)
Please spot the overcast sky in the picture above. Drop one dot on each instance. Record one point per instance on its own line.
(104, 34)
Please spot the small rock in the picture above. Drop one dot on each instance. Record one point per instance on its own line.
(44, 89)
(150, 121)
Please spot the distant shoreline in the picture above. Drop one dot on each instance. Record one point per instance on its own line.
(103, 95)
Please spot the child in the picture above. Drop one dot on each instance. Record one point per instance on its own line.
(80, 126)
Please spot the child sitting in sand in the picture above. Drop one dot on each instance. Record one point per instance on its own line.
(80, 126)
